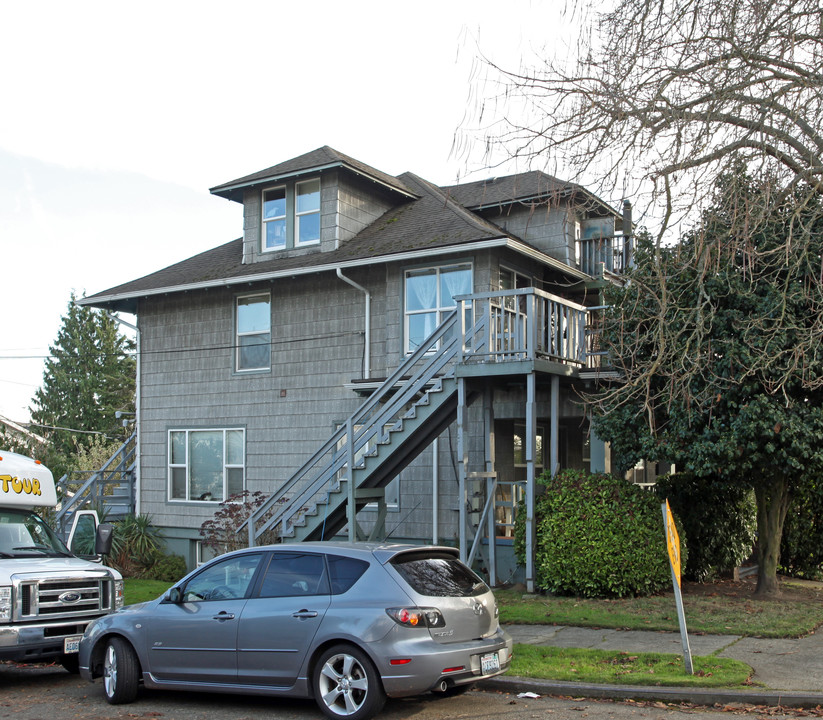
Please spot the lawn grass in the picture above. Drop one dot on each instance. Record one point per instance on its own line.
(721, 614)
(609, 667)
(137, 590)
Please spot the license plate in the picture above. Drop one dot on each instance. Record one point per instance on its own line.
(489, 663)
(71, 644)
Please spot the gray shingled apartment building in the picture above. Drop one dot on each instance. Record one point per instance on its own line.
(380, 356)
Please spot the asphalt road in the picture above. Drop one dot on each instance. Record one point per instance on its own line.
(50, 693)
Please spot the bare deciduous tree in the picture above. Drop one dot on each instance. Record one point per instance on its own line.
(661, 99)
(660, 93)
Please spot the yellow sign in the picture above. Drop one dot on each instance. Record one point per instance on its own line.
(673, 543)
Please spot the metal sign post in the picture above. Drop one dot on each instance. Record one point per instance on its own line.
(673, 545)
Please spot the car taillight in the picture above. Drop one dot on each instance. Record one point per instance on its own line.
(417, 616)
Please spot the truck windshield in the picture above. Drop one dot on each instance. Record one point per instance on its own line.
(23, 533)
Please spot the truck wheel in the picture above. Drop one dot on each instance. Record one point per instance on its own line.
(71, 663)
(121, 672)
(346, 684)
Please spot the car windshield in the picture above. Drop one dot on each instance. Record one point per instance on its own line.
(438, 575)
(23, 533)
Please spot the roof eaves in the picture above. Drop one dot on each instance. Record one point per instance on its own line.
(498, 242)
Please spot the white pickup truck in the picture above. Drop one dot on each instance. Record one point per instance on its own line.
(47, 594)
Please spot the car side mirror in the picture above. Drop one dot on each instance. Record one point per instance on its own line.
(174, 595)
(103, 539)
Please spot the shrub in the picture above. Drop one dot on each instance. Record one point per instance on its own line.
(135, 545)
(801, 547)
(597, 536)
(169, 568)
(221, 532)
(719, 520)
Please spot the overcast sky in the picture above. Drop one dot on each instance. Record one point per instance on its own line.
(118, 117)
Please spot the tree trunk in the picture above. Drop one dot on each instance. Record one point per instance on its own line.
(772, 494)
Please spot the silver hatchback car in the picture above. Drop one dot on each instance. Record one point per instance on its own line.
(347, 624)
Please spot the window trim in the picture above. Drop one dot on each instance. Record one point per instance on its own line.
(187, 465)
(264, 220)
(292, 217)
(439, 309)
(299, 215)
(238, 334)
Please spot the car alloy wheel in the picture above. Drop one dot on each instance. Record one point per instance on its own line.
(120, 672)
(347, 685)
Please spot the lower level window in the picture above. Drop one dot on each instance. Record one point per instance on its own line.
(206, 465)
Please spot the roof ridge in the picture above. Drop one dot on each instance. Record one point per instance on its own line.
(456, 207)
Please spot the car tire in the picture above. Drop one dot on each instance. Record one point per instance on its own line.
(346, 684)
(121, 672)
(71, 663)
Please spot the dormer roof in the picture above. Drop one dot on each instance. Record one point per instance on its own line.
(324, 158)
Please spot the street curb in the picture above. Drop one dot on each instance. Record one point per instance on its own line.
(698, 696)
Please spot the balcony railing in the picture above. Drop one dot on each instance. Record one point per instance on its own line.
(529, 324)
(604, 253)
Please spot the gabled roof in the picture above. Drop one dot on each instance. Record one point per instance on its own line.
(311, 162)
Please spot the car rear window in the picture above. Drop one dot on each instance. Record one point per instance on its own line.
(344, 572)
(439, 575)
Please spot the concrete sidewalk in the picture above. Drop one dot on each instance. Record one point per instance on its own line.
(790, 670)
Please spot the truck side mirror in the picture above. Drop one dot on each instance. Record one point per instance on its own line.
(103, 539)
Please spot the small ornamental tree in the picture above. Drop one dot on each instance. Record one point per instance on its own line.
(598, 536)
(222, 533)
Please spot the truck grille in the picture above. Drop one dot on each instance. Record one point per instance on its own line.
(63, 597)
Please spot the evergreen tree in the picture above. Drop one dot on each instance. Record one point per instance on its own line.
(89, 376)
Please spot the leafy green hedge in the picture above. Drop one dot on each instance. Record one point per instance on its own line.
(801, 547)
(597, 536)
(719, 519)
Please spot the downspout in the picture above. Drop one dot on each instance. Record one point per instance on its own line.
(137, 483)
(367, 333)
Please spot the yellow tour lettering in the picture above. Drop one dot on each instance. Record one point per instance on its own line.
(6, 479)
(16, 485)
(35, 486)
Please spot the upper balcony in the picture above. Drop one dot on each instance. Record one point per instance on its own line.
(527, 329)
(599, 255)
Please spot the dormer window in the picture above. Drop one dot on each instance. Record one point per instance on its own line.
(307, 230)
(274, 218)
(291, 215)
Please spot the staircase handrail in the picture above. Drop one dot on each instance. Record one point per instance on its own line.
(437, 350)
(126, 455)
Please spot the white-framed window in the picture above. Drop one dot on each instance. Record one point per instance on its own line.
(274, 218)
(513, 280)
(253, 323)
(429, 295)
(307, 213)
(509, 495)
(206, 465)
(291, 215)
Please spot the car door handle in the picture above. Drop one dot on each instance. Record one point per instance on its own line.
(223, 615)
(305, 614)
